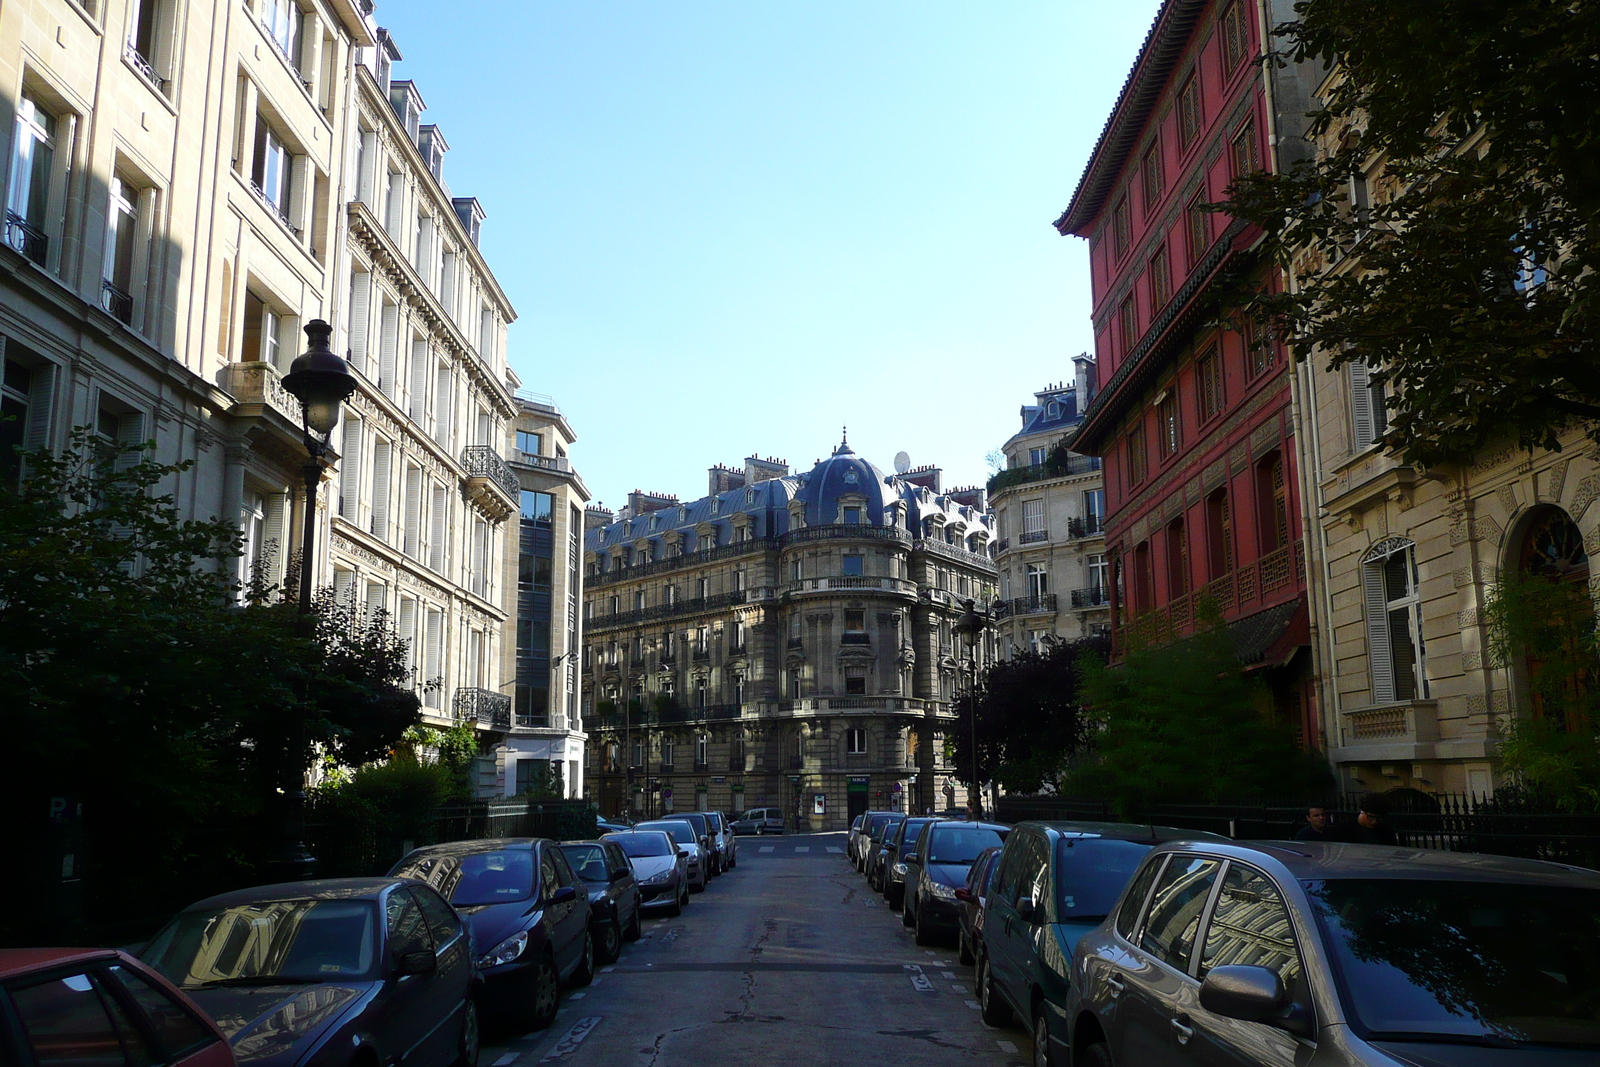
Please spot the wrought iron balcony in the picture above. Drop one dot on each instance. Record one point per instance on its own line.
(483, 706)
(1030, 537)
(481, 461)
(1043, 604)
(1088, 526)
(117, 302)
(1093, 597)
(26, 238)
(143, 66)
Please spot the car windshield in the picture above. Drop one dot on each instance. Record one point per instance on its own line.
(906, 835)
(1090, 874)
(1477, 962)
(875, 827)
(889, 829)
(643, 845)
(959, 844)
(681, 832)
(701, 826)
(501, 877)
(267, 941)
(589, 861)
(716, 822)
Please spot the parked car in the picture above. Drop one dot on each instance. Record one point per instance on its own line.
(971, 897)
(71, 1004)
(329, 970)
(1056, 881)
(727, 844)
(850, 837)
(610, 826)
(871, 831)
(1260, 952)
(892, 878)
(708, 840)
(529, 916)
(683, 833)
(876, 853)
(660, 868)
(759, 821)
(603, 867)
(942, 857)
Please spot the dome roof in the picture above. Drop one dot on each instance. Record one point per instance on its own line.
(845, 475)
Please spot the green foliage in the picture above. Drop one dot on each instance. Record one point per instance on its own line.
(1184, 723)
(135, 684)
(1547, 629)
(1483, 116)
(546, 783)
(455, 748)
(1031, 722)
(406, 791)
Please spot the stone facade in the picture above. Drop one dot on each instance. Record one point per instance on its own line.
(784, 641)
(1050, 522)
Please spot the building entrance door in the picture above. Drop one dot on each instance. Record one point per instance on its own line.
(856, 797)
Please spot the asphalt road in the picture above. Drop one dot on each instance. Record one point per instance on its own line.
(787, 960)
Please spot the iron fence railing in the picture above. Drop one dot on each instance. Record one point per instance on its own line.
(117, 302)
(26, 238)
(481, 461)
(483, 706)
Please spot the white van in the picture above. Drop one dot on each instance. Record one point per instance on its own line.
(759, 821)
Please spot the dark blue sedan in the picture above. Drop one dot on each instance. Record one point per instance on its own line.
(365, 967)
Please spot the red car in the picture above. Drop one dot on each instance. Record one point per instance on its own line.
(101, 1006)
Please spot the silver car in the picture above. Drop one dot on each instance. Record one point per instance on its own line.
(683, 832)
(727, 842)
(659, 867)
(1302, 952)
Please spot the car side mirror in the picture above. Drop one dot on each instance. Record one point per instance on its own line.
(417, 963)
(1028, 911)
(911, 857)
(683, 852)
(562, 895)
(964, 895)
(1253, 995)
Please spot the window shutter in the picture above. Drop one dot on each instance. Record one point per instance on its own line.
(1360, 405)
(387, 345)
(380, 490)
(1378, 650)
(434, 646)
(376, 596)
(273, 534)
(439, 539)
(41, 397)
(344, 583)
(408, 628)
(443, 405)
(350, 471)
(419, 380)
(412, 545)
(130, 431)
(360, 318)
(367, 162)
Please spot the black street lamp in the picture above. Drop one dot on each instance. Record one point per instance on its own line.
(321, 381)
(970, 626)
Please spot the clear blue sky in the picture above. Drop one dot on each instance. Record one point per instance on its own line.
(731, 228)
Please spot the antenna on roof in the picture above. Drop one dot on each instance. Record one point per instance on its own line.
(902, 462)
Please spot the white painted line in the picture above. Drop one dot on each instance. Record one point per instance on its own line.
(503, 1060)
(802, 848)
(974, 1005)
(959, 987)
(596, 981)
(837, 851)
(947, 974)
(571, 1039)
(930, 952)
(576, 996)
(608, 970)
(766, 848)
(1006, 1046)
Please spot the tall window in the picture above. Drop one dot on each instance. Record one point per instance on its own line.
(1394, 621)
(1038, 581)
(852, 563)
(1096, 571)
(1189, 112)
(272, 169)
(1244, 153)
(1208, 384)
(1143, 584)
(855, 741)
(1033, 521)
(122, 226)
(1127, 324)
(282, 21)
(1219, 535)
(1197, 221)
(1160, 280)
(1136, 456)
(1121, 228)
(32, 160)
(1272, 502)
(1177, 560)
(529, 443)
(1167, 424)
(1259, 351)
(1094, 511)
(144, 32)
(1037, 456)
(852, 515)
(1235, 36)
(537, 507)
(1369, 414)
(1151, 177)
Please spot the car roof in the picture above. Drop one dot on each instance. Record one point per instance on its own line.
(1124, 831)
(997, 827)
(1337, 859)
(583, 841)
(18, 961)
(488, 844)
(316, 888)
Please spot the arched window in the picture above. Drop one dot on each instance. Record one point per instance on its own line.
(1552, 549)
(1143, 600)
(1395, 646)
(1177, 560)
(1272, 503)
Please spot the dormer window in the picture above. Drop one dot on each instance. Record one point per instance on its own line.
(716, 506)
(655, 522)
(1053, 411)
(749, 496)
(852, 515)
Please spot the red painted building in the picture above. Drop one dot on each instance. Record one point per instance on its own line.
(1193, 417)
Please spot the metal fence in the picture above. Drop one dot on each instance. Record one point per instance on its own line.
(1499, 826)
(356, 842)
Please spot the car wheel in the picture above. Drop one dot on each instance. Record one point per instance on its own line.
(924, 934)
(1041, 1040)
(584, 974)
(1095, 1055)
(470, 1044)
(905, 917)
(545, 994)
(636, 927)
(965, 949)
(610, 946)
(994, 1010)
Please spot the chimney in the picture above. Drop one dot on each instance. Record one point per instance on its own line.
(641, 503)
(975, 497)
(595, 516)
(1084, 383)
(929, 477)
(724, 478)
(764, 469)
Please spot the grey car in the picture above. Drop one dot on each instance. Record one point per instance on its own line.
(759, 821)
(683, 832)
(660, 868)
(727, 844)
(1287, 953)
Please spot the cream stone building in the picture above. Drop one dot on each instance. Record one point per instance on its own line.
(1402, 560)
(1050, 523)
(785, 640)
(186, 186)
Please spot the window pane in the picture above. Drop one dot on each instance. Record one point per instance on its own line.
(408, 932)
(442, 922)
(179, 1032)
(1251, 927)
(852, 564)
(1175, 909)
(1133, 900)
(67, 1025)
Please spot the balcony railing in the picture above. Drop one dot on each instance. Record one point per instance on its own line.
(1043, 604)
(26, 238)
(483, 706)
(1088, 526)
(117, 302)
(688, 559)
(1030, 537)
(667, 611)
(1093, 597)
(848, 531)
(255, 382)
(960, 555)
(274, 207)
(559, 464)
(853, 581)
(131, 52)
(1040, 472)
(481, 461)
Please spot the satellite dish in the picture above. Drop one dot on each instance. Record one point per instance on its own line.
(902, 462)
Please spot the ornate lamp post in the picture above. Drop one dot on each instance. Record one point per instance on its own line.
(321, 381)
(970, 626)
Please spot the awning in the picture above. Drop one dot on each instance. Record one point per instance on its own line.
(1270, 638)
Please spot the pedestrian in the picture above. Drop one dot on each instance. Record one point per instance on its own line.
(1316, 827)
(1372, 824)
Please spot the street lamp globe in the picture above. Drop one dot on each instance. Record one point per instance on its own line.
(970, 625)
(320, 380)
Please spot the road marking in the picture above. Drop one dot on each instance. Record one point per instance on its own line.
(974, 1005)
(836, 851)
(608, 970)
(596, 981)
(571, 1039)
(576, 996)
(1006, 1046)
(947, 974)
(959, 987)
(802, 848)
(503, 1060)
(766, 848)
(919, 981)
(930, 952)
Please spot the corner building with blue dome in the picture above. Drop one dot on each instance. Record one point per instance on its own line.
(784, 641)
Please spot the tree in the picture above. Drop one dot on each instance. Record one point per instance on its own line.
(1473, 285)
(137, 685)
(1031, 721)
(1184, 722)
